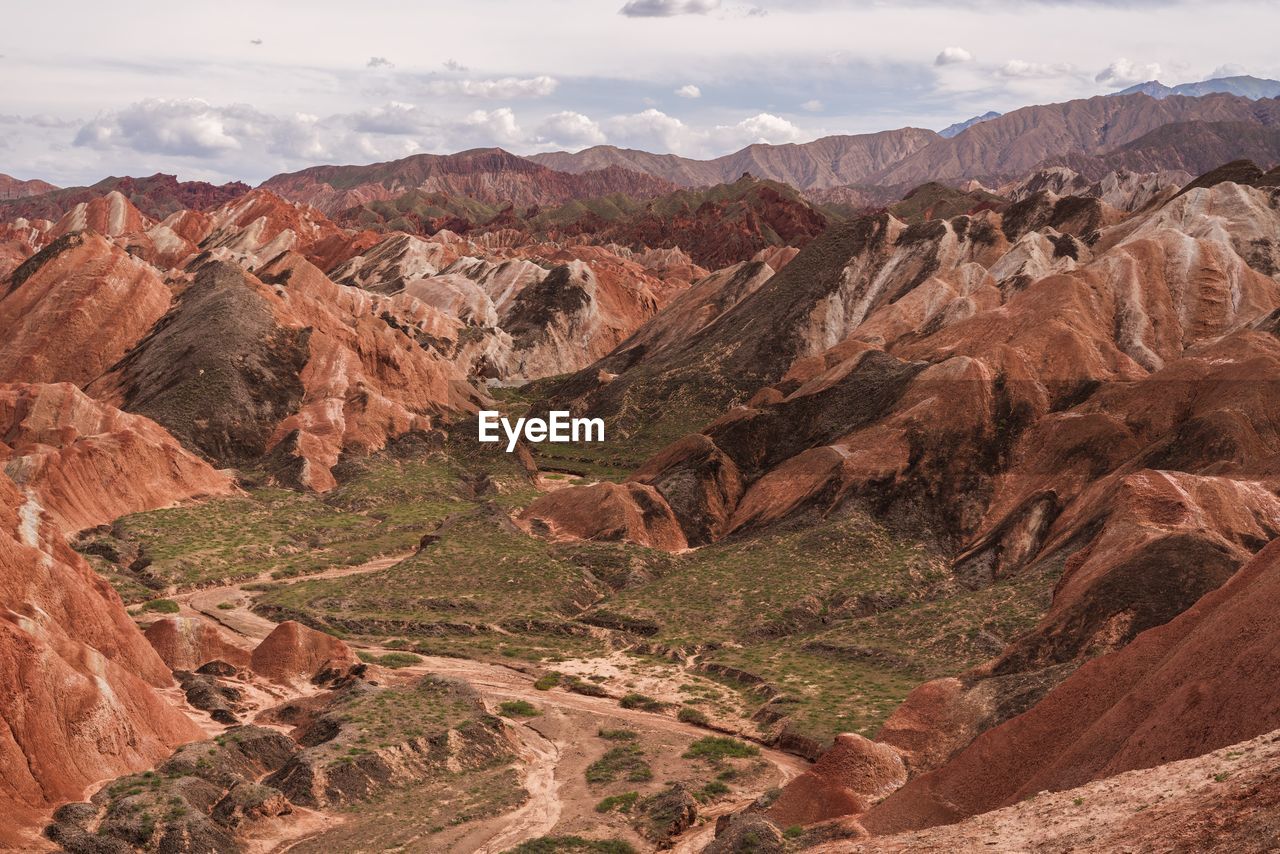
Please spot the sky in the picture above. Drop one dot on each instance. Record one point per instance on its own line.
(244, 90)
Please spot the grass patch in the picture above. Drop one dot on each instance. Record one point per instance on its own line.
(518, 709)
(717, 748)
(618, 734)
(621, 803)
(643, 702)
(625, 761)
(393, 660)
(160, 606)
(547, 681)
(690, 715)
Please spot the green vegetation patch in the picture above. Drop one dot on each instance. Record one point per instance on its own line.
(620, 803)
(393, 660)
(519, 709)
(717, 748)
(625, 760)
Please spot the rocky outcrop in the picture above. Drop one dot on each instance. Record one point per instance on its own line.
(396, 260)
(667, 814)
(337, 766)
(87, 463)
(293, 652)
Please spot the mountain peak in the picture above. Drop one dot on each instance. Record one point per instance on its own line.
(1244, 85)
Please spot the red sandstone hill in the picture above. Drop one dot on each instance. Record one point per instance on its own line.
(157, 196)
(717, 227)
(488, 174)
(77, 679)
(52, 316)
(189, 643)
(294, 652)
(86, 463)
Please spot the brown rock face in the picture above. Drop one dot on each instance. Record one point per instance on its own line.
(188, 643)
(87, 463)
(852, 774)
(1202, 681)
(77, 679)
(293, 652)
(74, 309)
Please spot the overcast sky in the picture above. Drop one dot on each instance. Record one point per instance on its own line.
(239, 89)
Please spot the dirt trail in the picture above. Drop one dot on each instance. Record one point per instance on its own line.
(540, 755)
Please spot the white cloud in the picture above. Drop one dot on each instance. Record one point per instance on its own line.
(1230, 69)
(1020, 68)
(379, 62)
(763, 127)
(241, 141)
(813, 105)
(667, 8)
(570, 130)
(648, 129)
(952, 56)
(454, 65)
(500, 88)
(186, 127)
(488, 127)
(1122, 73)
(395, 117)
(689, 91)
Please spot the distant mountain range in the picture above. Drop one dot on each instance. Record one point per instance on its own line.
(959, 127)
(1157, 128)
(485, 174)
(999, 148)
(156, 196)
(1244, 85)
(831, 161)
